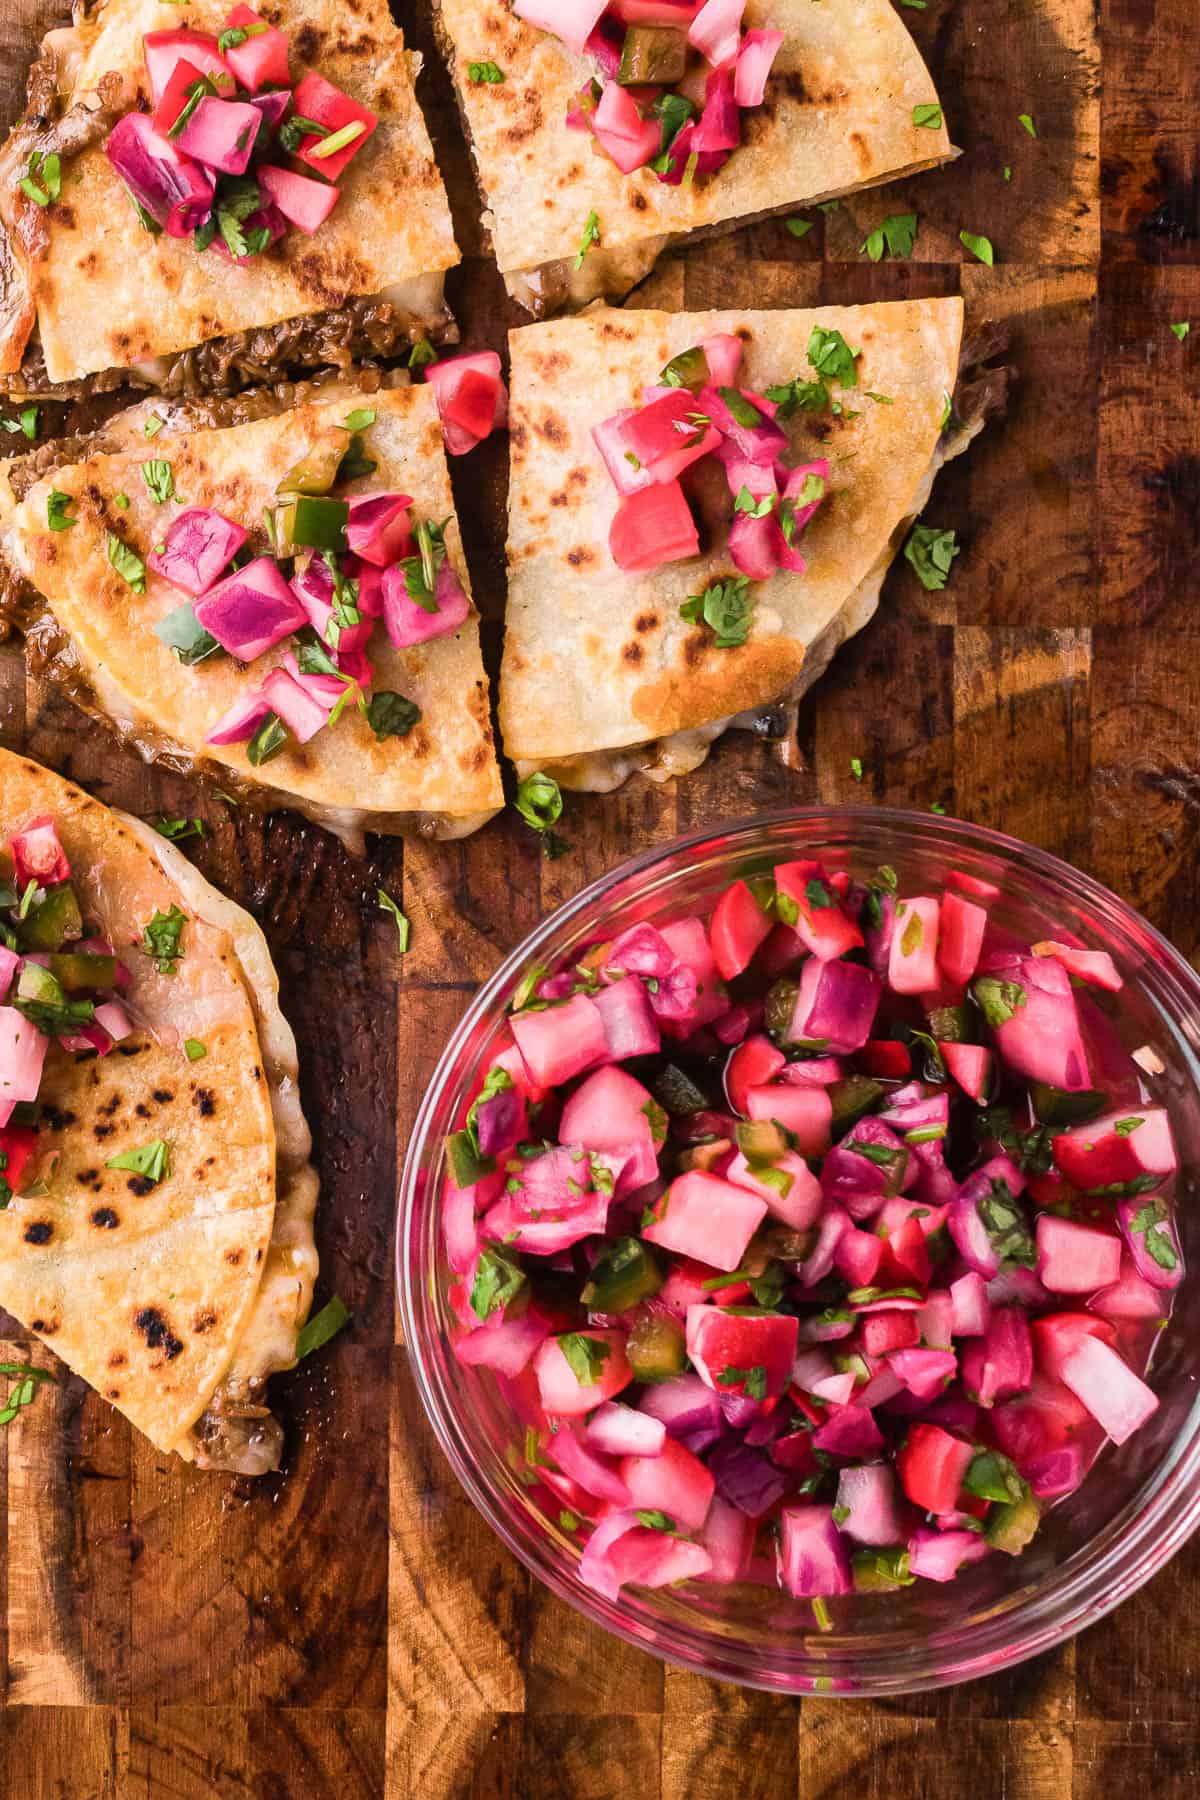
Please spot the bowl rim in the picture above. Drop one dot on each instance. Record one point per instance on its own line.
(1153, 1533)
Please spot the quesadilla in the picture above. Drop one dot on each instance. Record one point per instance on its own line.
(283, 603)
(618, 129)
(702, 508)
(156, 1195)
(173, 216)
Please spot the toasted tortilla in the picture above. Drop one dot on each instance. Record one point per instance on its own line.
(838, 116)
(442, 777)
(166, 1299)
(598, 661)
(389, 234)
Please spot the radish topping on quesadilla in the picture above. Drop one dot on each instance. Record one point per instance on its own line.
(208, 163)
(472, 400)
(673, 79)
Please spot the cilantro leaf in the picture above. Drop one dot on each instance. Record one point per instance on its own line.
(799, 227)
(586, 1356)
(896, 234)
(591, 235)
(391, 715)
(57, 516)
(727, 608)
(153, 1161)
(160, 480)
(486, 73)
(1181, 329)
(978, 246)
(126, 562)
(162, 939)
(928, 115)
(497, 1281)
(1026, 120)
(832, 357)
(930, 552)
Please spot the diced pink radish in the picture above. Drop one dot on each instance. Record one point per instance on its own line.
(609, 440)
(562, 1042)
(684, 1404)
(848, 1431)
(723, 354)
(971, 1066)
(865, 1168)
(939, 1555)
(1056, 1335)
(973, 885)
(814, 1562)
(913, 963)
(654, 1559)
(240, 722)
(594, 1473)
(872, 1505)
(472, 400)
(1044, 1420)
(857, 1256)
(163, 49)
(315, 98)
(789, 1187)
(289, 701)
(38, 856)
(1117, 1399)
(263, 59)
(837, 1389)
(729, 1539)
(1037, 1024)
(960, 938)
(1001, 1362)
(22, 1054)
(571, 20)
(719, 126)
(509, 1222)
(707, 1218)
(733, 1352)
(653, 527)
(630, 1027)
(1116, 1149)
(687, 940)
(925, 1373)
(674, 1482)
(1131, 1296)
(891, 1329)
(562, 1392)
(174, 189)
(822, 923)
(835, 1006)
(505, 1345)
(407, 622)
(967, 1226)
(379, 528)
(303, 202)
(621, 131)
(971, 1307)
(716, 30)
(674, 983)
(834, 1223)
(805, 1111)
(196, 546)
(758, 51)
(1057, 1473)
(935, 1321)
(1074, 1258)
(619, 1430)
(608, 1109)
(251, 610)
(1096, 966)
(754, 1063)
(221, 134)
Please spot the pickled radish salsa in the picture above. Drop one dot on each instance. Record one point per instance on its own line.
(821, 1242)
(672, 78)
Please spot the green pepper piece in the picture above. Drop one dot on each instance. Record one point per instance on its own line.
(652, 56)
(49, 923)
(1011, 1526)
(78, 971)
(677, 1093)
(950, 1024)
(621, 1276)
(318, 523)
(1054, 1106)
(853, 1098)
(762, 1141)
(881, 1571)
(778, 1008)
(690, 370)
(656, 1348)
(315, 473)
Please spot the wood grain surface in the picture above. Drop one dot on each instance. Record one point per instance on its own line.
(351, 1628)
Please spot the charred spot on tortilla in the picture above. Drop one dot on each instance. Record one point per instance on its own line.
(204, 1100)
(39, 1232)
(105, 1219)
(117, 1360)
(141, 1185)
(157, 1332)
(204, 1321)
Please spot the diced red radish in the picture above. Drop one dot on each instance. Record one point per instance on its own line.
(872, 1505)
(857, 1256)
(865, 1168)
(472, 400)
(38, 856)
(848, 1431)
(973, 885)
(999, 1178)
(197, 545)
(653, 527)
(1096, 966)
(939, 1555)
(1045, 1419)
(972, 1308)
(887, 1059)
(716, 30)
(733, 1352)
(935, 1321)
(22, 1055)
(684, 1405)
(931, 1466)
(745, 1477)
(561, 1042)
(594, 1474)
(739, 926)
(971, 1065)
(621, 131)
(164, 49)
(175, 95)
(504, 1345)
(630, 1025)
(251, 610)
(221, 134)
(891, 1330)
(379, 528)
(805, 1111)
(960, 938)
(262, 60)
(723, 354)
(789, 1187)
(835, 1006)
(687, 940)
(240, 722)
(1131, 1296)
(610, 442)
(303, 202)
(1117, 1399)
(925, 1373)
(758, 51)
(562, 1392)
(317, 99)
(1116, 1149)
(913, 964)
(1075, 1258)
(1000, 1363)
(707, 1218)
(289, 701)
(1056, 1335)
(1036, 1021)
(173, 188)
(608, 1111)
(571, 20)
(407, 622)
(754, 1063)
(729, 1539)
(674, 1482)
(837, 1389)
(821, 923)
(619, 1430)
(813, 1559)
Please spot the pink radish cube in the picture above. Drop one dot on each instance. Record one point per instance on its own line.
(619, 1430)
(630, 1025)
(707, 1218)
(562, 1041)
(814, 1559)
(806, 1111)
(960, 938)
(675, 1482)
(591, 1368)
(971, 1306)
(1076, 1259)
(263, 59)
(971, 1067)
(729, 1540)
(303, 202)
(1096, 966)
(1117, 1399)
(1117, 1148)
(790, 1189)
(607, 1109)
(1131, 1296)
(1030, 1006)
(739, 1353)
(912, 962)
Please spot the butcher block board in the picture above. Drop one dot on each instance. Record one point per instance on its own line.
(350, 1627)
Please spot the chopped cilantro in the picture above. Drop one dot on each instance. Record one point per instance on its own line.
(585, 1356)
(591, 235)
(162, 939)
(1026, 120)
(126, 562)
(930, 552)
(497, 1281)
(388, 905)
(1181, 328)
(978, 246)
(391, 715)
(727, 608)
(160, 480)
(896, 234)
(928, 115)
(194, 1049)
(832, 357)
(57, 516)
(799, 227)
(25, 425)
(487, 74)
(153, 1161)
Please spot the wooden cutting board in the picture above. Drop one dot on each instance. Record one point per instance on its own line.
(351, 1628)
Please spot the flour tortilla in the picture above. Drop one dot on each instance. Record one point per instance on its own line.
(153, 1297)
(837, 117)
(108, 294)
(596, 660)
(443, 773)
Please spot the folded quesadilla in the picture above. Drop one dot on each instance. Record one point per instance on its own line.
(156, 1196)
(702, 508)
(603, 133)
(283, 603)
(201, 198)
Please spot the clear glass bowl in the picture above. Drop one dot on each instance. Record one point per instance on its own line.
(1141, 1501)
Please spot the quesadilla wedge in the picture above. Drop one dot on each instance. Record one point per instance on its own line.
(702, 508)
(283, 603)
(173, 216)
(588, 178)
(156, 1195)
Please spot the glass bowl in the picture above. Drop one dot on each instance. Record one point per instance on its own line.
(1094, 1549)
